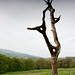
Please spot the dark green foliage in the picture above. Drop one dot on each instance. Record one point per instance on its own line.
(3, 64)
(41, 63)
(17, 64)
(29, 64)
(8, 64)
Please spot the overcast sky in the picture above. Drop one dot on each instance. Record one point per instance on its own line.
(17, 15)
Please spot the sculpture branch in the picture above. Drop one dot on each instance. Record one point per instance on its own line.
(42, 28)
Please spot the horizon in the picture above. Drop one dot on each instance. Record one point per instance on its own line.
(34, 55)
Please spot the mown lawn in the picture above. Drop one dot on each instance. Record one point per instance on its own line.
(69, 71)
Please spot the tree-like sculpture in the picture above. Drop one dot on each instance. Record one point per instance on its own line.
(54, 50)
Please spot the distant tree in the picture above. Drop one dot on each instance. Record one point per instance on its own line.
(29, 64)
(60, 61)
(10, 65)
(72, 65)
(66, 62)
(48, 64)
(3, 63)
(17, 64)
(41, 63)
(54, 50)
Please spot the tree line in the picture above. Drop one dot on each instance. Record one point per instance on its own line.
(11, 64)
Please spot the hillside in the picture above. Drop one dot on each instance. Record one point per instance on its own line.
(15, 54)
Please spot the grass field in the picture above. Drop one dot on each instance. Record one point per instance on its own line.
(69, 71)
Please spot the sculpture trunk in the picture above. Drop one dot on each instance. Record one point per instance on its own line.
(54, 50)
(54, 66)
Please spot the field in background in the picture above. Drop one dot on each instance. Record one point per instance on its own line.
(68, 71)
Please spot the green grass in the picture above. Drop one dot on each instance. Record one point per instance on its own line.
(69, 71)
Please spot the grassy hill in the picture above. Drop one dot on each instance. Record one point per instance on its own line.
(11, 53)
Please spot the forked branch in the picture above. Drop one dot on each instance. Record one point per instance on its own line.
(42, 29)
